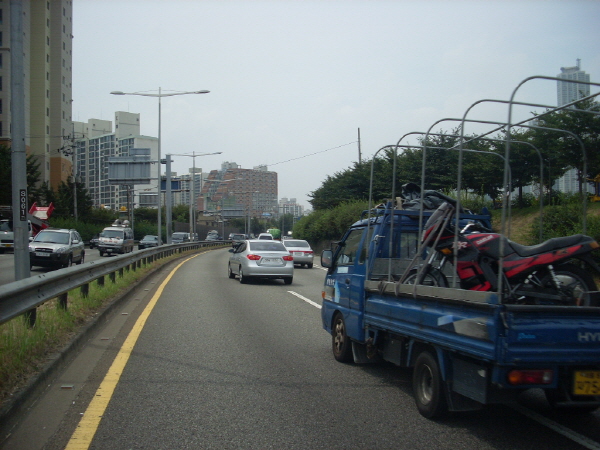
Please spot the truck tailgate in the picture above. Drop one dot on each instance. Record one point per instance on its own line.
(558, 334)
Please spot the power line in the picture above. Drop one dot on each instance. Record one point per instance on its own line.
(311, 154)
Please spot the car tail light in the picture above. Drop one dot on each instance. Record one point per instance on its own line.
(252, 257)
(288, 258)
(539, 376)
(308, 253)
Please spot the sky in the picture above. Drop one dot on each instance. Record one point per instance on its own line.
(292, 82)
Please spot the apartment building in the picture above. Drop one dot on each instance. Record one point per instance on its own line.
(236, 192)
(97, 144)
(47, 72)
(290, 206)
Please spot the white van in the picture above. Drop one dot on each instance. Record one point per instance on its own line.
(116, 239)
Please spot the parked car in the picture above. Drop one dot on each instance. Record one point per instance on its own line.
(148, 241)
(94, 241)
(56, 247)
(301, 252)
(265, 236)
(180, 238)
(260, 259)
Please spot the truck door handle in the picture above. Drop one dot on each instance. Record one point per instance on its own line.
(347, 280)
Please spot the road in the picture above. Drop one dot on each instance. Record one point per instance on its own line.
(7, 267)
(218, 364)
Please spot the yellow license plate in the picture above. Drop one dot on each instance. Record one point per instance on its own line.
(586, 382)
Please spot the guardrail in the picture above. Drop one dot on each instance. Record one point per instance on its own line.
(24, 296)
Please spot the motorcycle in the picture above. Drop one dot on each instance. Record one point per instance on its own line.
(549, 273)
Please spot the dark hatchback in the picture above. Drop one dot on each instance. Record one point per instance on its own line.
(148, 241)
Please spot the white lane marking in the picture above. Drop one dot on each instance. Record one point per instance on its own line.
(567, 432)
(310, 302)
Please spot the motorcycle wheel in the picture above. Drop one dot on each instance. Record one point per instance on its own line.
(431, 277)
(577, 285)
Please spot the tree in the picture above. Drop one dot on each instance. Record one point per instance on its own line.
(146, 214)
(33, 177)
(181, 213)
(64, 205)
(562, 149)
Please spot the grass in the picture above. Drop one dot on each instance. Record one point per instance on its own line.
(24, 350)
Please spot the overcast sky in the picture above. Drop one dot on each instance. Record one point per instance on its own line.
(291, 82)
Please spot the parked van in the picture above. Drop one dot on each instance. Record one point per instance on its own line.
(117, 238)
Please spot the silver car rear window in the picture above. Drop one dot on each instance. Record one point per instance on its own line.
(267, 246)
(289, 243)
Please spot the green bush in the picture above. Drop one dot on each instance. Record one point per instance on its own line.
(329, 224)
(528, 200)
(85, 229)
(565, 219)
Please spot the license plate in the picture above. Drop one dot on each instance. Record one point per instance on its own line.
(298, 253)
(270, 261)
(586, 382)
(42, 254)
(109, 250)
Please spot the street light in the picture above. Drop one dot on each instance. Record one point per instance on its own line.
(193, 191)
(160, 95)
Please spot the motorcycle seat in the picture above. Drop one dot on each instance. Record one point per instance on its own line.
(549, 245)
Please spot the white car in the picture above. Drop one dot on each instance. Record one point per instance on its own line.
(301, 251)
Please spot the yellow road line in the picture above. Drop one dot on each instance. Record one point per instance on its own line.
(88, 425)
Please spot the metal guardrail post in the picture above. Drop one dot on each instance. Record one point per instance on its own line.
(62, 301)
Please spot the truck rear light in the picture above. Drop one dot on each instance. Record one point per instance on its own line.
(252, 257)
(537, 376)
(288, 258)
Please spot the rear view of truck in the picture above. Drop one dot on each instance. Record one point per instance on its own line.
(467, 348)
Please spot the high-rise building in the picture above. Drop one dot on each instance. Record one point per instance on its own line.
(98, 144)
(47, 72)
(236, 192)
(568, 92)
(290, 206)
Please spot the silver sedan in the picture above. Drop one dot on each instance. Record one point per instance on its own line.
(260, 259)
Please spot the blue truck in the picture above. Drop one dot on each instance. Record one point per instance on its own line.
(467, 348)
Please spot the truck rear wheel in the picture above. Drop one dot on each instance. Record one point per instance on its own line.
(428, 387)
(340, 342)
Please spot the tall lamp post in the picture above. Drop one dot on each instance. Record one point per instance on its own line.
(193, 189)
(160, 95)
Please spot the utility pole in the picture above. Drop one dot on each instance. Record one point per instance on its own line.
(169, 210)
(19, 157)
(359, 152)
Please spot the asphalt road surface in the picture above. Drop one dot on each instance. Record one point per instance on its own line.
(222, 365)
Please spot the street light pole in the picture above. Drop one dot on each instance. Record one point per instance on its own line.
(160, 95)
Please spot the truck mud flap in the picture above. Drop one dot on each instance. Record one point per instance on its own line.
(361, 355)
